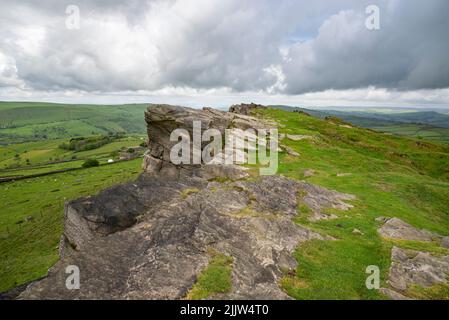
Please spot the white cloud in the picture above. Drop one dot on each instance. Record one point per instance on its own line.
(214, 51)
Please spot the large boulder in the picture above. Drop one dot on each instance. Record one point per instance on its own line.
(162, 120)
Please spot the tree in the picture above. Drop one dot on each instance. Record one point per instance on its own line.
(90, 163)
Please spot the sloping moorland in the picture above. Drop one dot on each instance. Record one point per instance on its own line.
(391, 176)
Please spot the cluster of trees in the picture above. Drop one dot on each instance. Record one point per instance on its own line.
(44, 133)
(89, 143)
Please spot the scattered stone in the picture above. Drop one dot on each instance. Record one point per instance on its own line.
(318, 199)
(289, 151)
(298, 137)
(339, 175)
(309, 173)
(410, 267)
(357, 232)
(317, 216)
(381, 219)
(395, 228)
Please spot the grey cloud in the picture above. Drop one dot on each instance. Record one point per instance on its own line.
(409, 52)
(150, 45)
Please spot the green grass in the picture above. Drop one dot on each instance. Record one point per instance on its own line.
(391, 176)
(187, 192)
(416, 131)
(42, 154)
(216, 278)
(31, 217)
(28, 121)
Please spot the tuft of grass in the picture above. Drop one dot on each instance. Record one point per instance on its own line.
(436, 292)
(187, 192)
(432, 247)
(216, 278)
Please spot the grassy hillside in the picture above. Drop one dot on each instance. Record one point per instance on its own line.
(421, 123)
(42, 156)
(391, 177)
(29, 121)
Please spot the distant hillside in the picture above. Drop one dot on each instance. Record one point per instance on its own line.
(431, 125)
(29, 121)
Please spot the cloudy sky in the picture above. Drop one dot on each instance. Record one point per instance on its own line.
(218, 52)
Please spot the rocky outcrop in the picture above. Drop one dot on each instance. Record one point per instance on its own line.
(163, 252)
(414, 268)
(149, 239)
(395, 228)
(163, 119)
(410, 267)
(245, 109)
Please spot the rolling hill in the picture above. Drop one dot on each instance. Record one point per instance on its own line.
(30, 121)
(431, 125)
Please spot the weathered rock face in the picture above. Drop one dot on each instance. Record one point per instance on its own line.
(410, 267)
(160, 256)
(397, 229)
(149, 239)
(164, 119)
(245, 109)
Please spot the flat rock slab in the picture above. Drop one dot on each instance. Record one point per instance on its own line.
(410, 267)
(299, 137)
(395, 228)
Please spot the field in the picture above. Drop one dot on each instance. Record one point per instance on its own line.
(29, 121)
(416, 131)
(31, 216)
(31, 210)
(391, 177)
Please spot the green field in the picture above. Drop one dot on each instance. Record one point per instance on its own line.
(30, 121)
(31, 217)
(391, 176)
(417, 131)
(31, 210)
(37, 157)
